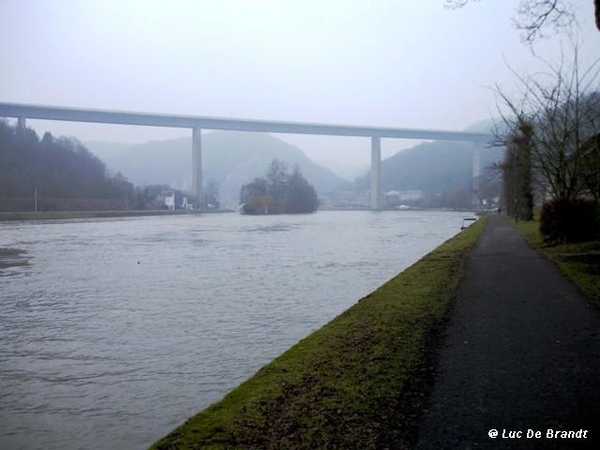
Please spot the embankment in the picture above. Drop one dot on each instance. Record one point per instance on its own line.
(361, 381)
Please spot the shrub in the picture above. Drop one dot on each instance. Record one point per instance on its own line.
(569, 220)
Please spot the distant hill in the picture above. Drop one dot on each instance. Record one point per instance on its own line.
(347, 172)
(230, 158)
(485, 126)
(436, 167)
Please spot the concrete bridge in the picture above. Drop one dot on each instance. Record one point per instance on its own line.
(197, 123)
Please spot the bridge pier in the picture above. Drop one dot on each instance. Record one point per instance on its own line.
(476, 175)
(21, 124)
(197, 166)
(375, 172)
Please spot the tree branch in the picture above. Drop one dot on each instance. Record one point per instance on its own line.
(534, 15)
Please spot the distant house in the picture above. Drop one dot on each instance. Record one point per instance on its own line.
(169, 199)
(406, 196)
(398, 198)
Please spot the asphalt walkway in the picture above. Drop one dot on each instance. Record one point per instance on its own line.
(521, 354)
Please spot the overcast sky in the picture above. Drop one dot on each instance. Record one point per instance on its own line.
(402, 63)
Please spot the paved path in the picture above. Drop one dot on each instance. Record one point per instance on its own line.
(522, 351)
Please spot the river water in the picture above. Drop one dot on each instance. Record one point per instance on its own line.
(114, 331)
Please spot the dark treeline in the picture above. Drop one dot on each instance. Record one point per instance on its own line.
(279, 193)
(56, 168)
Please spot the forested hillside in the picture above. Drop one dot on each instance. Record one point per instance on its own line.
(60, 169)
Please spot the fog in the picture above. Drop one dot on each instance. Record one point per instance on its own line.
(381, 63)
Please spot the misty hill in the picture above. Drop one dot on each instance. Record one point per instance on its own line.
(486, 126)
(346, 171)
(436, 167)
(230, 158)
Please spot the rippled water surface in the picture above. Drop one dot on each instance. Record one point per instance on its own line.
(113, 332)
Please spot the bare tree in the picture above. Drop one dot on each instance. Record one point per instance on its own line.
(517, 173)
(561, 106)
(591, 148)
(533, 16)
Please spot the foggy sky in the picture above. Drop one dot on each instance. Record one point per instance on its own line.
(409, 63)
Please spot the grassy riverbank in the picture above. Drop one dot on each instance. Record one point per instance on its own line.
(580, 262)
(359, 382)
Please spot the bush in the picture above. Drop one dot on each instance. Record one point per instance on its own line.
(569, 220)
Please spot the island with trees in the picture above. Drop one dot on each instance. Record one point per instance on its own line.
(278, 193)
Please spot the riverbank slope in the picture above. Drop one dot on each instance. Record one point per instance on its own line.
(358, 382)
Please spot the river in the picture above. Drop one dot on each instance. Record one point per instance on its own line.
(114, 331)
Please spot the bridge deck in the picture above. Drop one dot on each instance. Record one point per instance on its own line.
(217, 123)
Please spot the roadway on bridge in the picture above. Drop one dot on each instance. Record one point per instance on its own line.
(522, 351)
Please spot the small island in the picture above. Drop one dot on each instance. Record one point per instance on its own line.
(278, 193)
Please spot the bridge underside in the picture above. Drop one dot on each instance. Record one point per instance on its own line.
(21, 112)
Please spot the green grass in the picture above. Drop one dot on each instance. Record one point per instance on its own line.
(361, 381)
(580, 262)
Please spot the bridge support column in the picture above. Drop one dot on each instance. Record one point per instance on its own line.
(375, 173)
(476, 175)
(21, 125)
(197, 166)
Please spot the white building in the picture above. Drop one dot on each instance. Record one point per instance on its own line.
(170, 200)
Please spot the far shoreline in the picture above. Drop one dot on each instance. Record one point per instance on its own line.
(64, 215)
(15, 216)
